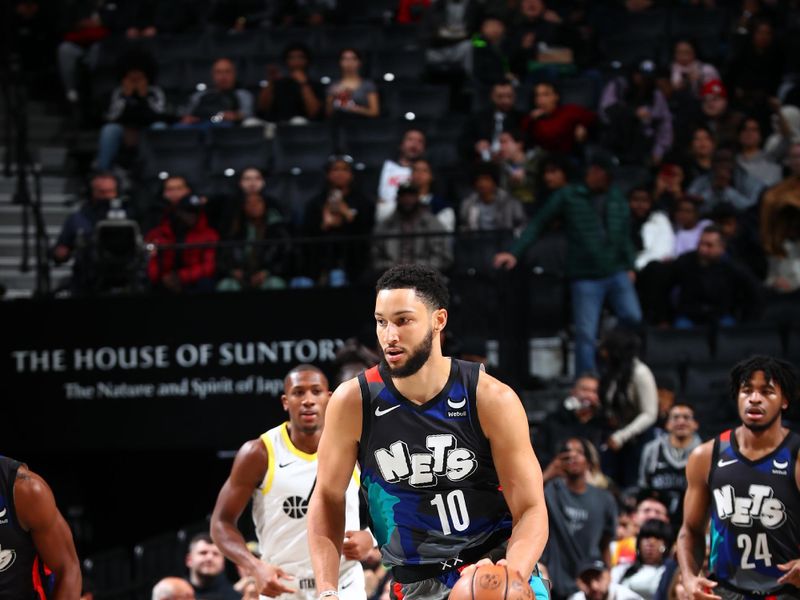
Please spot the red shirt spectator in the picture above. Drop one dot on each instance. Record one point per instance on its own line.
(176, 270)
(556, 127)
(411, 11)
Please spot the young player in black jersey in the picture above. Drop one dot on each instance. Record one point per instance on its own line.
(437, 440)
(749, 480)
(35, 540)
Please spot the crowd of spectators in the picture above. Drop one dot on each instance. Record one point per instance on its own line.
(686, 214)
(659, 141)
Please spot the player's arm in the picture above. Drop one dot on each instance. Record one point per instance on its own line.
(247, 473)
(691, 547)
(336, 458)
(505, 423)
(37, 513)
(791, 569)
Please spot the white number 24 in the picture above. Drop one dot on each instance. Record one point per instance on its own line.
(745, 543)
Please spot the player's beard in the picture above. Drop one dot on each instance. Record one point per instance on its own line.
(761, 426)
(416, 358)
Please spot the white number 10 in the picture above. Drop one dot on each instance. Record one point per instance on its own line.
(456, 506)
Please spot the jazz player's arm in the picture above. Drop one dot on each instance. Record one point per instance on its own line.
(505, 424)
(691, 545)
(336, 458)
(38, 514)
(247, 473)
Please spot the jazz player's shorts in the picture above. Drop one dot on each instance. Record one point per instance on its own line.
(351, 587)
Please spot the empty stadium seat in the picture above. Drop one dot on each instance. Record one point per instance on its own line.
(793, 346)
(178, 47)
(234, 45)
(380, 129)
(371, 153)
(736, 343)
(416, 101)
(274, 41)
(332, 40)
(233, 159)
(310, 133)
(306, 156)
(398, 38)
(235, 136)
(398, 66)
(674, 346)
(580, 91)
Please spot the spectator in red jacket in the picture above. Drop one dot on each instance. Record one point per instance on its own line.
(191, 269)
(556, 127)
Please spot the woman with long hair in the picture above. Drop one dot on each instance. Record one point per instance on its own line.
(630, 399)
(352, 94)
(653, 545)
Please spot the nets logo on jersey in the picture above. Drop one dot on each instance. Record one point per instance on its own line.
(422, 469)
(759, 505)
(7, 558)
(295, 507)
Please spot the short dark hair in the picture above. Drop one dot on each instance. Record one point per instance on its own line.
(484, 169)
(655, 528)
(200, 537)
(714, 229)
(780, 371)
(426, 281)
(296, 47)
(305, 368)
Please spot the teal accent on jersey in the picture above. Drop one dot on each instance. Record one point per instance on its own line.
(716, 540)
(381, 505)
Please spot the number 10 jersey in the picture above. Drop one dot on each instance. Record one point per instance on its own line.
(427, 471)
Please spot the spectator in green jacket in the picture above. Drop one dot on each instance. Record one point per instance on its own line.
(600, 254)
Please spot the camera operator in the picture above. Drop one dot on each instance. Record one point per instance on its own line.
(75, 238)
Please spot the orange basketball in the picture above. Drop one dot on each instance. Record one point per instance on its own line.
(491, 582)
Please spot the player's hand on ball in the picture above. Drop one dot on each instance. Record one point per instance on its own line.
(700, 588)
(268, 580)
(470, 569)
(792, 570)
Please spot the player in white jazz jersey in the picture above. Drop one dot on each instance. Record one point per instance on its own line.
(278, 472)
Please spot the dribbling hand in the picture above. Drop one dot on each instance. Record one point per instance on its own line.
(268, 580)
(700, 588)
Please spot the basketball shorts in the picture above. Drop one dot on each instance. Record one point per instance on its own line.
(351, 587)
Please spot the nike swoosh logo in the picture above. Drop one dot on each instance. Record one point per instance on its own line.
(725, 463)
(291, 462)
(776, 464)
(456, 405)
(347, 585)
(380, 413)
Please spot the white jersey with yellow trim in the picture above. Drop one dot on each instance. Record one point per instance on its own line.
(280, 505)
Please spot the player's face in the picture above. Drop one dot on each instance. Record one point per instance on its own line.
(205, 559)
(305, 398)
(760, 402)
(405, 328)
(681, 422)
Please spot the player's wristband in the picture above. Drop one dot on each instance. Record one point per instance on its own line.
(328, 594)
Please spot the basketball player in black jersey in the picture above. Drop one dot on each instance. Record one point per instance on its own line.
(748, 479)
(436, 439)
(35, 540)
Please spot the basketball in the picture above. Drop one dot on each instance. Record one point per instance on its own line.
(491, 582)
